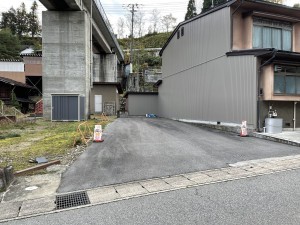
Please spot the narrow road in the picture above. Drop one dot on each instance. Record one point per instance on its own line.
(269, 199)
(141, 148)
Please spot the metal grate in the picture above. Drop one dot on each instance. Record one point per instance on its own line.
(72, 200)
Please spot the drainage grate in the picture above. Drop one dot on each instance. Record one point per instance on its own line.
(72, 200)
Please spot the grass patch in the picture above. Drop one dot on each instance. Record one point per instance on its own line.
(52, 140)
(9, 135)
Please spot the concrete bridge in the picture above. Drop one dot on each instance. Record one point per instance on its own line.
(82, 60)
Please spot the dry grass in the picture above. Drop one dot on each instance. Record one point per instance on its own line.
(21, 141)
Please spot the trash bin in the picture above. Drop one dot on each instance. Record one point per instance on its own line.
(273, 125)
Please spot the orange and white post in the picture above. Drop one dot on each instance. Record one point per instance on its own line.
(98, 133)
(244, 131)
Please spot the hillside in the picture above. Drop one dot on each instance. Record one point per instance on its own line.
(155, 40)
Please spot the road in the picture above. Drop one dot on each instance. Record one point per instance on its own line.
(269, 199)
(142, 148)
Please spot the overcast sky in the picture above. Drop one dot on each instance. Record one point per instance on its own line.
(118, 8)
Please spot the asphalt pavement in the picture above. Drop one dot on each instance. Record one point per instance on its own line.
(142, 148)
(269, 199)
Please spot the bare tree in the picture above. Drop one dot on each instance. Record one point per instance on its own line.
(155, 19)
(121, 27)
(168, 22)
(140, 23)
(199, 4)
(128, 22)
(150, 29)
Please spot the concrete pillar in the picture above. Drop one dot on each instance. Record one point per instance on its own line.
(105, 68)
(66, 56)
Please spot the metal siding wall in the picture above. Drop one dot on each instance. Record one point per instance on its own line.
(220, 90)
(12, 66)
(139, 105)
(204, 39)
(200, 82)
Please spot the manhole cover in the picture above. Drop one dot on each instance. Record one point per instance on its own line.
(72, 200)
(31, 188)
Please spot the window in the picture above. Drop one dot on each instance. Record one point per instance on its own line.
(4, 92)
(178, 34)
(286, 80)
(272, 34)
(182, 31)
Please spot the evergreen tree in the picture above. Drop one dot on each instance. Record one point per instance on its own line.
(9, 45)
(191, 10)
(33, 21)
(22, 20)
(207, 4)
(9, 20)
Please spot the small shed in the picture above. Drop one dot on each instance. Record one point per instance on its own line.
(67, 107)
(141, 103)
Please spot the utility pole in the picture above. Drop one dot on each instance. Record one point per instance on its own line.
(132, 11)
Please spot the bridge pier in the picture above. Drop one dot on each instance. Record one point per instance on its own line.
(66, 56)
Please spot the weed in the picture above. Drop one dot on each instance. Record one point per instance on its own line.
(9, 135)
(52, 140)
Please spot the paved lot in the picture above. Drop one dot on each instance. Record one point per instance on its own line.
(142, 148)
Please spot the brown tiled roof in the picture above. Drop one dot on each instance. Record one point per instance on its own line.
(15, 83)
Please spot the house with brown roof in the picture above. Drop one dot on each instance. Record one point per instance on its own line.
(12, 69)
(13, 92)
(239, 61)
(33, 70)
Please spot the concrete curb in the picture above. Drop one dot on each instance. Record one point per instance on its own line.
(275, 139)
(251, 133)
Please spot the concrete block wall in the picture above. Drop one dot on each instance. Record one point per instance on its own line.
(66, 56)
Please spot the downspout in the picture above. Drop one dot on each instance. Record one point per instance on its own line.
(274, 52)
(231, 27)
(294, 120)
(91, 56)
(91, 44)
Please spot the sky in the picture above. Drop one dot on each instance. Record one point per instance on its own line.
(118, 8)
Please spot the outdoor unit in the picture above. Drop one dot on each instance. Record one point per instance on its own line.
(67, 107)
